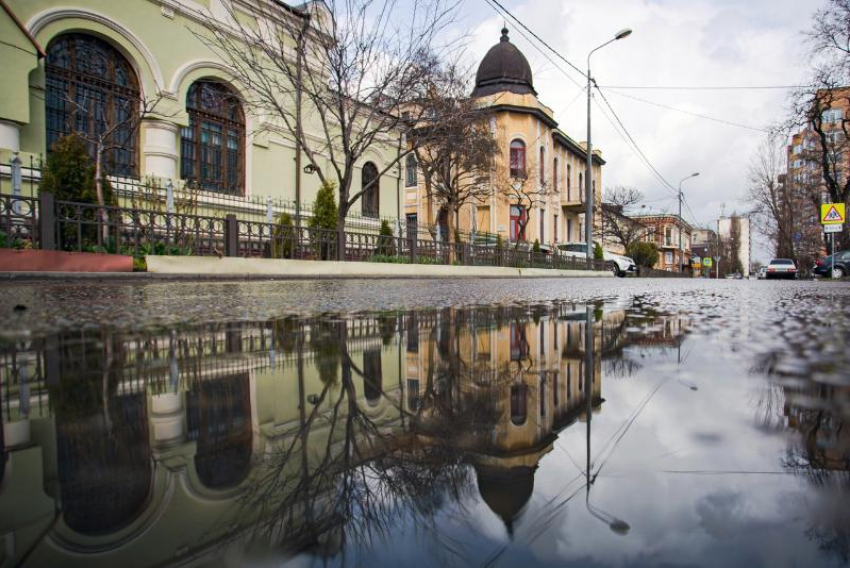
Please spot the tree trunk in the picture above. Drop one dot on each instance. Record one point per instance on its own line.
(340, 233)
(450, 229)
(98, 184)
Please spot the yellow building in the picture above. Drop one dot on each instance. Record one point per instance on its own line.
(536, 159)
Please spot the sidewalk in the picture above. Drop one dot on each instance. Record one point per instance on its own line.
(228, 268)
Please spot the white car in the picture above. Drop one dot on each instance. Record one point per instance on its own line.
(781, 268)
(620, 265)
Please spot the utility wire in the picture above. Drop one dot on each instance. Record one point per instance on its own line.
(706, 88)
(537, 37)
(635, 144)
(683, 111)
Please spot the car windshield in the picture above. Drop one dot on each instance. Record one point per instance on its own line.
(573, 248)
(783, 261)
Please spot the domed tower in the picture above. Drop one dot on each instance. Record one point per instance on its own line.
(504, 68)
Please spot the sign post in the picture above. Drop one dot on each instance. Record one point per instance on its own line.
(832, 217)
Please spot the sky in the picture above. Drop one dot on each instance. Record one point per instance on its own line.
(713, 43)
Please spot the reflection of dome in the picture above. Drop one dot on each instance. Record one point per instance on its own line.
(506, 490)
(504, 68)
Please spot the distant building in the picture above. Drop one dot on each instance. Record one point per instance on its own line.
(724, 230)
(804, 177)
(664, 229)
(703, 245)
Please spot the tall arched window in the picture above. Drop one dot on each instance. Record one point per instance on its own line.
(370, 183)
(517, 158)
(580, 184)
(212, 146)
(569, 180)
(411, 178)
(542, 165)
(555, 173)
(90, 88)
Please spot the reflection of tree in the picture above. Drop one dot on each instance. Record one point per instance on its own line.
(821, 454)
(346, 476)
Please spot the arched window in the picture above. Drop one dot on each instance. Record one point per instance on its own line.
(569, 180)
(90, 88)
(555, 173)
(519, 404)
(580, 184)
(370, 183)
(212, 146)
(542, 165)
(517, 158)
(411, 179)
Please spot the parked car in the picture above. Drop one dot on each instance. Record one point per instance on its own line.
(620, 265)
(762, 273)
(781, 268)
(842, 264)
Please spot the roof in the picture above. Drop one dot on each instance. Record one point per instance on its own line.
(504, 68)
(661, 217)
(39, 51)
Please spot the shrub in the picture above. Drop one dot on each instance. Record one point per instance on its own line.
(325, 214)
(69, 173)
(499, 241)
(598, 254)
(386, 242)
(644, 254)
(536, 246)
(283, 237)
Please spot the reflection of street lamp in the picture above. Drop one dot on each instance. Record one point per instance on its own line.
(681, 222)
(588, 173)
(616, 525)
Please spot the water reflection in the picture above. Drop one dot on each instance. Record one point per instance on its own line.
(318, 436)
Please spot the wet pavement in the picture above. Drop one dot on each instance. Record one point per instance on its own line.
(419, 423)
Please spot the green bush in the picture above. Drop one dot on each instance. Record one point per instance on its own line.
(283, 237)
(644, 254)
(536, 246)
(386, 242)
(499, 242)
(325, 215)
(598, 254)
(69, 173)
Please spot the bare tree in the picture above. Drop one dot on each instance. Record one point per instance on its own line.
(775, 213)
(615, 223)
(827, 135)
(524, 189)
(454, 148)
(338, 91)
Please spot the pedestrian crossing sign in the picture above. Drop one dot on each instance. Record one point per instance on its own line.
(832, 213)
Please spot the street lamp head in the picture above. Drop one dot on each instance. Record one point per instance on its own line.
(695, 174)
(624, 33)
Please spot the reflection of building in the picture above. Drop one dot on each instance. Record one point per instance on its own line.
(161, 447)
(535, 156)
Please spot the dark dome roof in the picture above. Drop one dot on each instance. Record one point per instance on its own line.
(506, 491)
(504, 68)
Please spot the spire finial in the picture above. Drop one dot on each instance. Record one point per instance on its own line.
(504, 33)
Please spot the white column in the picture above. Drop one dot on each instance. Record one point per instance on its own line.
(167, 418)
(10, 135)
(159, 151)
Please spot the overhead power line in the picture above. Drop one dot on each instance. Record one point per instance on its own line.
(706, 87)
(683, 111)
(634, 143)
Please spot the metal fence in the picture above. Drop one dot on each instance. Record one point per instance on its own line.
(42, 222)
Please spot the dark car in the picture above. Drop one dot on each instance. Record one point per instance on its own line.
(842, 264)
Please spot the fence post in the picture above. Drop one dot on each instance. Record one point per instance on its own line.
(47, 220)
(231, 235)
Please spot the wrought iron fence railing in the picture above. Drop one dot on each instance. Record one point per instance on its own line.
(42, 222)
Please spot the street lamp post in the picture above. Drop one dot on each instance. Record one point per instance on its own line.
(681, 222)
(588, 173)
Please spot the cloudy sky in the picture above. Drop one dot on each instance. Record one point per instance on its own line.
(676, 43)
